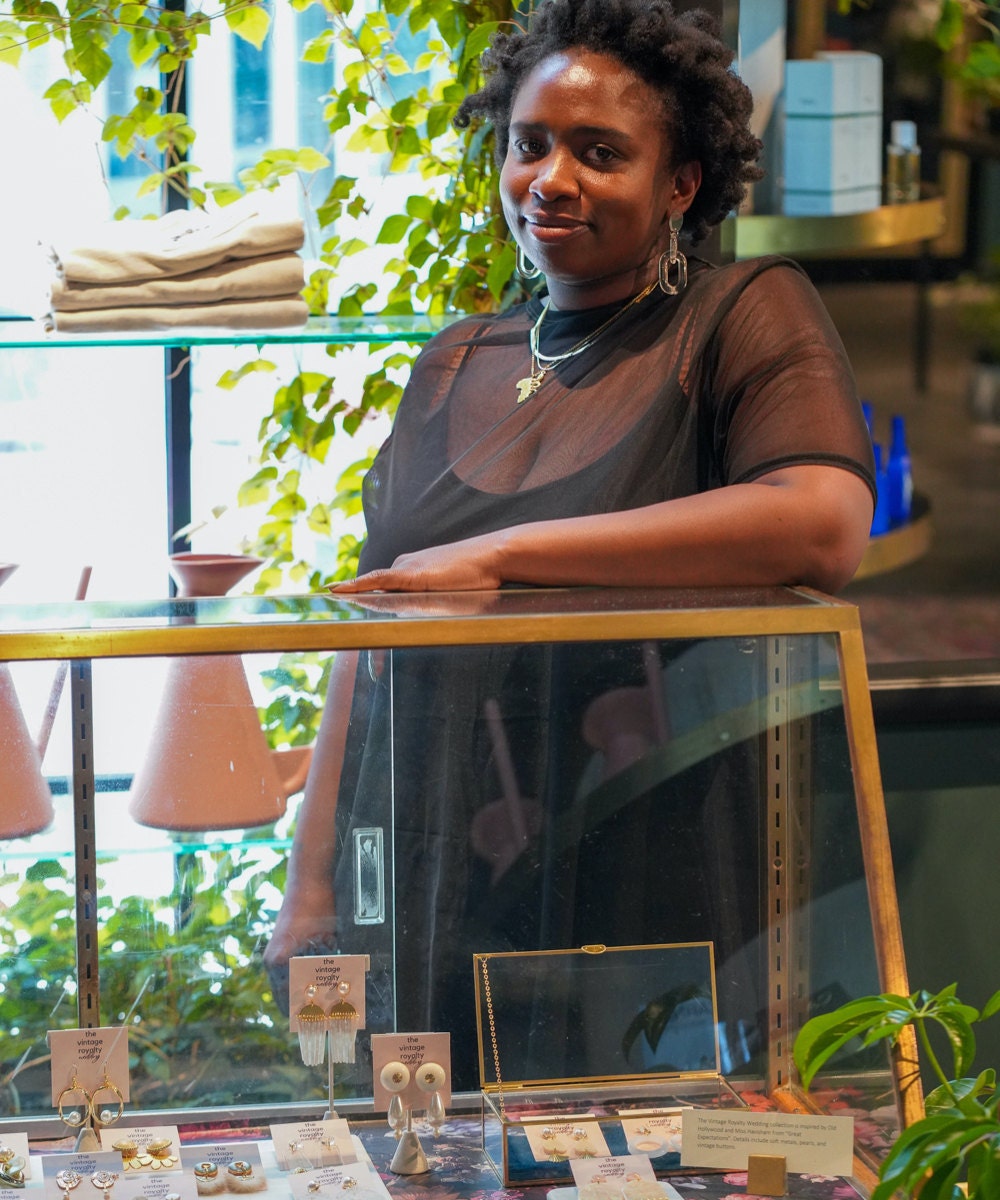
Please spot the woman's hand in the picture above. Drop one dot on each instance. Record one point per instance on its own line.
(306, 924)
(471, 565)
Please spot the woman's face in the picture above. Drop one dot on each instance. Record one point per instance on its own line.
(587, 185)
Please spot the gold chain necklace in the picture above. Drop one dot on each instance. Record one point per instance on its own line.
(541, 363)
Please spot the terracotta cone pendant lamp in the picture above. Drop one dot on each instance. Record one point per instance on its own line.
(209, 765)
(25, 799)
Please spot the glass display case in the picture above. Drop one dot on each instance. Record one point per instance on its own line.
(529, 770)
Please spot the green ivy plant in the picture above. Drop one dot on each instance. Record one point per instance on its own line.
(182, 971)
(449, 248)
(958, 1140)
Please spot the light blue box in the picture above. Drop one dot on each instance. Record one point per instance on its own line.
(826, 154)
(836, 83)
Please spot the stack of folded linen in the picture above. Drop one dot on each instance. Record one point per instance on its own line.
(235, 268)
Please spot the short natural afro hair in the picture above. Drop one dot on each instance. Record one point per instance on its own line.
(707, 107)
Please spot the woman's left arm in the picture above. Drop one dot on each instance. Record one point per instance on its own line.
(803, 524)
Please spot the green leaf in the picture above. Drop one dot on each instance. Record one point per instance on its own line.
(257, 489)
(44, 869)
(319, 520)
(250, 22)
(93, 62)
(393, 229)
(150, 184)
(950, 24)
(478, 40)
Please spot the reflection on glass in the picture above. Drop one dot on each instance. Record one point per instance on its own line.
(536, 796)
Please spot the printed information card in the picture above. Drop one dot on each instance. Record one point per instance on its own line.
(726, 1139)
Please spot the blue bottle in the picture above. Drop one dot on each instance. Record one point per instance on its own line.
(869, 414)
(880, 521)
(900, 477)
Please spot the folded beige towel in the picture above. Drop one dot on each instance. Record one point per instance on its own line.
(278, 312)
(238, 279)
(177, 244)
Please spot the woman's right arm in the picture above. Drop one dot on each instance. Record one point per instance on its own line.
(307, 912)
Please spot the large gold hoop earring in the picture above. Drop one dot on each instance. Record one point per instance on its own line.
(673, 266)
(525, 268)
(106, 1116)
(74, 1119)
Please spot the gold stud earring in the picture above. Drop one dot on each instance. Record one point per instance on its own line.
(129, 1152)
(66, 1181)
(159, 1152)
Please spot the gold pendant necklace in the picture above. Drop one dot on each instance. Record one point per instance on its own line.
(530, 383)
(541, 363)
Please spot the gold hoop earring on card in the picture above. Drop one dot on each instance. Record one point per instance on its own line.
(75, 1118)
(106, 1116)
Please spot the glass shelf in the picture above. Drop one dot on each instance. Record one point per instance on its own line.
(29, 334)
(805, 237)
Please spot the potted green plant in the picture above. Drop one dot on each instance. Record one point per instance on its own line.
(957, 1141)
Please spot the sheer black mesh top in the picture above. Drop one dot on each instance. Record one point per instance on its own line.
(741, 374)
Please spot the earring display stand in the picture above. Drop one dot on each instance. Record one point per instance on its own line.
(87, 1141)
(409, 1158)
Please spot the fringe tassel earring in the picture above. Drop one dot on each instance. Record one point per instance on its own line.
(343, 1025)
(312, 1029)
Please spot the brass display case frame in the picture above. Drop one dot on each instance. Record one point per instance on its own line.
(234, 625)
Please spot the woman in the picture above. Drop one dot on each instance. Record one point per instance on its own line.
(649, 422)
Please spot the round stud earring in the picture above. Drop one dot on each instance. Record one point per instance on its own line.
(159, 1152)
(129, 1152)
(647, 1143)
(12, 1172)
(240, 1177)
(207, 1179)
(395, 1077)
(66, 1181)
(580, 1135)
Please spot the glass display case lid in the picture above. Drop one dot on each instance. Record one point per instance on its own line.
(600, 1014)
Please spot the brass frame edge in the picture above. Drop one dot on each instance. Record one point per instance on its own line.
(391, 633)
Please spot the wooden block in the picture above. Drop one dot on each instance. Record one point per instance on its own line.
(766, 1175)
